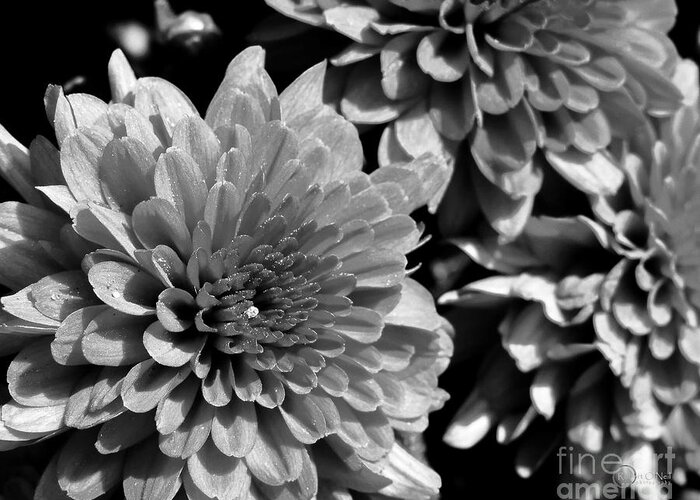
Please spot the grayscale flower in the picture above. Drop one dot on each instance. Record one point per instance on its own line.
(522, 84)
(216, 307)
(602, 319)
(543, 383)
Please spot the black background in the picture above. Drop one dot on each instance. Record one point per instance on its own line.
(53, 42)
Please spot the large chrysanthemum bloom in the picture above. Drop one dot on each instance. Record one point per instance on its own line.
(626, 280)
(521, 82)
(226, 311)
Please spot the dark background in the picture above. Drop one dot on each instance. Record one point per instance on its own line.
(55, 42)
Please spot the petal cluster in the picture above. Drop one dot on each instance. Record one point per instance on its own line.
(216, 307)
(525, 85)
(601, 323)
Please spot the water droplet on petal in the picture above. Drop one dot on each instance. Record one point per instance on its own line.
(251, 312)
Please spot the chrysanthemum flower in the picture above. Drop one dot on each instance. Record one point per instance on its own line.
(648, 324)
(542, 381)
(225, 313)
(603, 312)
(521, 82)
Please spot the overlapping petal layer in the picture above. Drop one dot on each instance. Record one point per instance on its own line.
(523, 83)
(217, 307)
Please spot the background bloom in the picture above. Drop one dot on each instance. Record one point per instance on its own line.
(543, 383)
(648, 326)
(506, 87)
(216, 304)
(602, 311)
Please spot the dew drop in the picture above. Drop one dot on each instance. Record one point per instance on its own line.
(164, 264)
(251, 312)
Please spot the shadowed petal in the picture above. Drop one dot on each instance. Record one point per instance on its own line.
(163, 104)
(148, 474)
(48, 488)
(126, 173)
(30, 222)
(191, 435)
(276, 457)
(273, 146)
(217, 475)
(93, 401)
(23, 262)
(15, 167)
(113, 338)
(305, 419)
(171, 349)
(48, 386)
(66, 347)
(147, 383)
(365, 102)
(180, 181)
(235, 107)
(124, 431)
(80, 163)
(234, 428)
(193, 136)
(174, 408)
(125, 287)
(222, 211)
(83, 472)
(58, 295)
(157, 222)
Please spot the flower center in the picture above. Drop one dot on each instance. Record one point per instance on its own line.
(247, 299)
(257, 304)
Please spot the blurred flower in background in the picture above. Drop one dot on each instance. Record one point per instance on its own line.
(216, 306)
(190, 30)
(543, 384)
(191, 33)
(503, 87)
(601, 313)
(133, 38)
